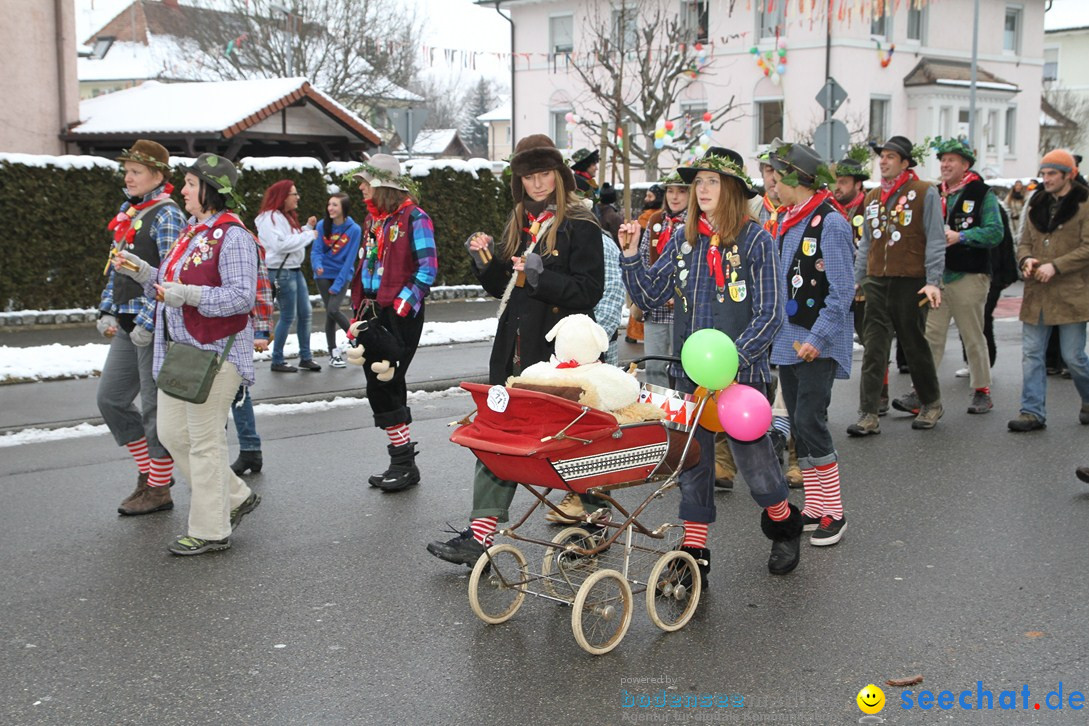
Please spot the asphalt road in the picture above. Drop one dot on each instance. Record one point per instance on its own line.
(963, 562)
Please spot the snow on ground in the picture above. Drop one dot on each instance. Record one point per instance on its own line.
(56, 361)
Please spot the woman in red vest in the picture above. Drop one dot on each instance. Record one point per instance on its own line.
(206, 287)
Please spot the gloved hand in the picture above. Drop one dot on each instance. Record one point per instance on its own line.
(534, 268)
(175, 294)
(129, 264)
(141, 337)
(354, 355)
(107, 326)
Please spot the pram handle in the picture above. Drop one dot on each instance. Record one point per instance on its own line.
(666, 358)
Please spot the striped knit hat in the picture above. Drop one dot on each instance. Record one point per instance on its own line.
(1060, 160)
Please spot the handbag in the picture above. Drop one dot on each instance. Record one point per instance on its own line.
(187, 372)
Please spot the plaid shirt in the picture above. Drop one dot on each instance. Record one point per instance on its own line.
(165, 228)
(236, 295)
(424, 253)
(609, 309)
(651, 288)
(262, 307)
(663, 314)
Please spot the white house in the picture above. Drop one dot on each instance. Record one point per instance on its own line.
(497, 120)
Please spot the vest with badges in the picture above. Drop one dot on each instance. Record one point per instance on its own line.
(897, 232)
(856, 217)
(398, 264)
(143, 246)
(966, 214)
(731, 306)
(200, 266)
(807, 285)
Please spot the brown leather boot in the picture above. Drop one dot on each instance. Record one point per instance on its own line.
(152, 499)
(794, 473)
(141, 485)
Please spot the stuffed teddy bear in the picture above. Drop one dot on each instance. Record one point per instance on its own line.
(372, 342)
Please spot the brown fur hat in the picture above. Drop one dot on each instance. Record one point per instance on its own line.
(537, 153)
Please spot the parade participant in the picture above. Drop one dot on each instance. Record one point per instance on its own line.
(813, 347)
(548, 265)
(285, 244)
(250, 458)
(607, 213)
(1015, 203)
(1054, 258)
(208, 286)
(147, 225)
(901, 256)
(398, 263)
(336, 246)
(658, 322)
(721, 270)
(769, 202)
(584, 166)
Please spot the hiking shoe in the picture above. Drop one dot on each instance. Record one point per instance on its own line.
(726, 485)
(141, 485)
(867, 425)
(908, 403)
(883, 406)
(284, 368)
(810, 523)
(244, 508)
(928, 416)
(981, 403)
(309, 365)
(1026, 422)
(152, 499)
(461, 550)
(335, 361)
(1082, 472)
(248, 460)
(794, 477)
(1083, 415)
(962, 373)
(195, 546)
(571, 506)
(829, 531)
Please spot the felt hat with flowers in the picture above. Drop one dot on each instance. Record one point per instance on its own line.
(722, 163)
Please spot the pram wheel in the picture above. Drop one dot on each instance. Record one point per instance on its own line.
(673, 590)
(562, 572)
(497, 585)
(601, 613)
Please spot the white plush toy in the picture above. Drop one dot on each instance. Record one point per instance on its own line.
(579, 345)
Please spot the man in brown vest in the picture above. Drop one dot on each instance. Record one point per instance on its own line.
(901, 258)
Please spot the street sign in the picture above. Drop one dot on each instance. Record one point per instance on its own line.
(831, 96)
(831, 140)
(407, 122)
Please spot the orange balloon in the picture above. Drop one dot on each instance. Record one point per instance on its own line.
(709, 418)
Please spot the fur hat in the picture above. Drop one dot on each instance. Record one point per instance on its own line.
(607, 194)
(537, 153)
(382, 170)
(898, 144)
(149, 153)
(578, 338)
(1060, 160)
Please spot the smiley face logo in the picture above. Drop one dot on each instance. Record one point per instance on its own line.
(870, 699)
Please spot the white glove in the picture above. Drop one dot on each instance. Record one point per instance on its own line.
(141, 337)
(107, 326)
(354, 355)
(129, 264)
(175, 294)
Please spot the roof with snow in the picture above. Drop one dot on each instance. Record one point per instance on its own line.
(440, 142)
(935, 72)
(259, 117)
(499, 113)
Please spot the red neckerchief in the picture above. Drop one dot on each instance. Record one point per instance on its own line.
(667, 232)
(772, 225)
(177, 252)
(378, 222)
(795, 214)
(855, 203)
(889, 188)
(714, 254)
(948, 191)
(535, 224)
(583, 174)
(121, 225)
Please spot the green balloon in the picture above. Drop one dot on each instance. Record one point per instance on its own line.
(709, 358)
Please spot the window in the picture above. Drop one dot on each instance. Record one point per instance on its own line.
(626, 26)
(944, 127)
(916, 29)
(1051, 64)
(963, 129)
(1011, 35)
(695, 14)
(881, 23)
(879, 119)
(1011, 130)
(768, 21)
(769, 120)
(559, 128)
(990, 132)
(561, 33)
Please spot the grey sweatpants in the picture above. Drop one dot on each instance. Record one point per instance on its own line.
(126, 375)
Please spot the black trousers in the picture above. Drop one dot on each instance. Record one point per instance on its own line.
(389, 399)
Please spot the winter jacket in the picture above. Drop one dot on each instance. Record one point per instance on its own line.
(1064, 242)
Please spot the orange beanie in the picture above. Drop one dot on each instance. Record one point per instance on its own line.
(1061, 160)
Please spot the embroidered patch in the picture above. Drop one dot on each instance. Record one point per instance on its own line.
(968, 206)
(809, 246)
(905, 218)
(738, 292)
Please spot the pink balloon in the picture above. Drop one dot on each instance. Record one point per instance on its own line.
(744, 412)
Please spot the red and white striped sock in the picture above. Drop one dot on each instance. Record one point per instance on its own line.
(779, 512)
(161, 471)
(484, 529)
(398, 435)
(695, 534)
(833, 500)
(814, 494)
(138, 449)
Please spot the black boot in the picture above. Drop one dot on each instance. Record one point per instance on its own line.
(700, 555)
(247, 461)
(402, 472)
(786, 541)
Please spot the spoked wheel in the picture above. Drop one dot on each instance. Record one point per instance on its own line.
(562, 571)
(601, 613)
(673, 590)
(497, 586)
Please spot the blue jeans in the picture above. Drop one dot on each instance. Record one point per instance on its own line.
(245, 424)
(807, 391)
(293, 297)
(1034, 339)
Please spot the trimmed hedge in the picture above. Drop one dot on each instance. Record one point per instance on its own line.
(54, 241)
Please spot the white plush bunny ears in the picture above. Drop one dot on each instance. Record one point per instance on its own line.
(579, 338)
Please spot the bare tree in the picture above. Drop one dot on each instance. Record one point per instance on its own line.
(636, 61)
(361, 52)
(1069, 130)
